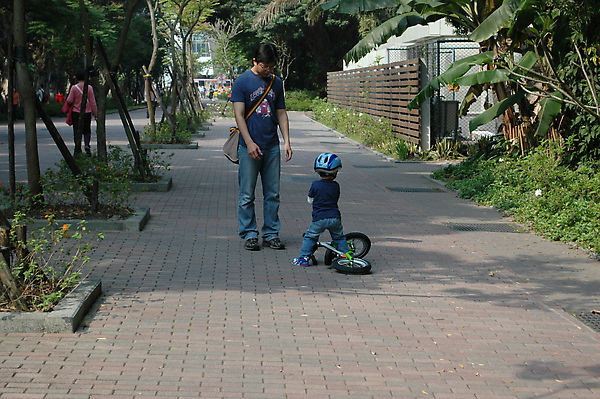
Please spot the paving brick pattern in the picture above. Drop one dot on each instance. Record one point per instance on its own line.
(188, 313)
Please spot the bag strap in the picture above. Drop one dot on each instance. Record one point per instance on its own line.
(81, 91)
(260, 100)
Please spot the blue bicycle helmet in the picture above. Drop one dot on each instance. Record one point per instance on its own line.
(328, 163)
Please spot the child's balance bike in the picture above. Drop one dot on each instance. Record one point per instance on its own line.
(352, 263)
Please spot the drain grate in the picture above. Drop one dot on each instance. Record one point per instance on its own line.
(590, 319)
(489, 227)
(415, 189)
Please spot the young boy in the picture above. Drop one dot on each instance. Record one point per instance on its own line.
(323, 195)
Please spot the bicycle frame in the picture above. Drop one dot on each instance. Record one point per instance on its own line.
(329, 245)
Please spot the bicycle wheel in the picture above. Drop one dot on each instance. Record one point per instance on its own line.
(354, 266)
(360, 243)
(357, 242)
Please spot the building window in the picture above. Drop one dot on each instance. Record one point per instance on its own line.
(200, 45)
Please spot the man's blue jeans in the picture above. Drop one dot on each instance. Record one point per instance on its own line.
(268, 167)
(334, 225)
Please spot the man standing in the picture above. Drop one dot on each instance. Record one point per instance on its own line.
(259, 151)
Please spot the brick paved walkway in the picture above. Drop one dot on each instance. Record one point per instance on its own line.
(187, 312)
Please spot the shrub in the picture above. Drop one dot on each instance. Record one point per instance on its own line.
(558, 202)
(185, 126)
(300, 100)
(63, 191)
(372, 132)
(52, 261)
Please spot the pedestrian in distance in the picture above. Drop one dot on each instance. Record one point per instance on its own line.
(74, 98)
(42, 95)
(323, 195)
(259, 149)
(16, 101)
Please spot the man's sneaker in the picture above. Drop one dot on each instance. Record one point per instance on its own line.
(275, 243)
(252, 244)
(301, 261)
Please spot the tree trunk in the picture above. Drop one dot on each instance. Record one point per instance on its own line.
(102, 92)
(27, 94)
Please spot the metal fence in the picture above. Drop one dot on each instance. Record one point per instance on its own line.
(437, 56)
(368, 90)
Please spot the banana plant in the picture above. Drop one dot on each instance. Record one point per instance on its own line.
(499, 27)
(465, 14)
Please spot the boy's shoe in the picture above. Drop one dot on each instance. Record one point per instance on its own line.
(274, 243)
(301, 261)
(252, 244)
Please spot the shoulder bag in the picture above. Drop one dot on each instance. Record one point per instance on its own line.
(230, 148)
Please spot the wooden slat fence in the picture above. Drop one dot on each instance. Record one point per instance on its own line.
(381, 91)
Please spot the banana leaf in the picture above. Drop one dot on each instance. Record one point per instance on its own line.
(495, 111)
(395, 26)
(491, 76)
(355, 6)
(549, 108)
(456, 70)
(497, 20)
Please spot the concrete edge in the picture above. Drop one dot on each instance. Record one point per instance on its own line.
(135, 222)
(191, 146)
(65, 318)
(163, 185)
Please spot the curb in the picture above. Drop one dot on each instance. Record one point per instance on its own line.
(161, 186)
(65, 318)
(192, 146)
(135, 222)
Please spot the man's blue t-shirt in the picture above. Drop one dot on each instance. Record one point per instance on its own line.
(262, 124)
(326, 193)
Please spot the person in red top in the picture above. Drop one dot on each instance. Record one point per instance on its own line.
(74, 98)
(59, 98)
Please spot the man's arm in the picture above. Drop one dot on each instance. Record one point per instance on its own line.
(239, 111)
(284, 126)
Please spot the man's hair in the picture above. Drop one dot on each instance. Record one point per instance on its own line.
(266, 53)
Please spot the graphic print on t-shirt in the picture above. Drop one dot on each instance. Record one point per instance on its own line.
(264, 109)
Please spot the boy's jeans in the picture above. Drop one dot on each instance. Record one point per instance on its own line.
(268, 167)
(334, 225)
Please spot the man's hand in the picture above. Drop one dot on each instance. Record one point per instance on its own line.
(253, 150)
(288, 152)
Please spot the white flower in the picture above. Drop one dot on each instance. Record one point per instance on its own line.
(538, 192)
(500, 159)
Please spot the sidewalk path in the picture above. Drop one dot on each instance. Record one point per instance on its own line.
(188, 313)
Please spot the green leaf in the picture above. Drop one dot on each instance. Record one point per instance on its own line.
(527, 61)
(492, 76)
(497, 20)
(495, 111)
(395, 26)
(549, 108)
(356, 6)
(456, 70)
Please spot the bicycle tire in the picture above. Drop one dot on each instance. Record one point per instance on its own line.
(354, 266)
(360, 242)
